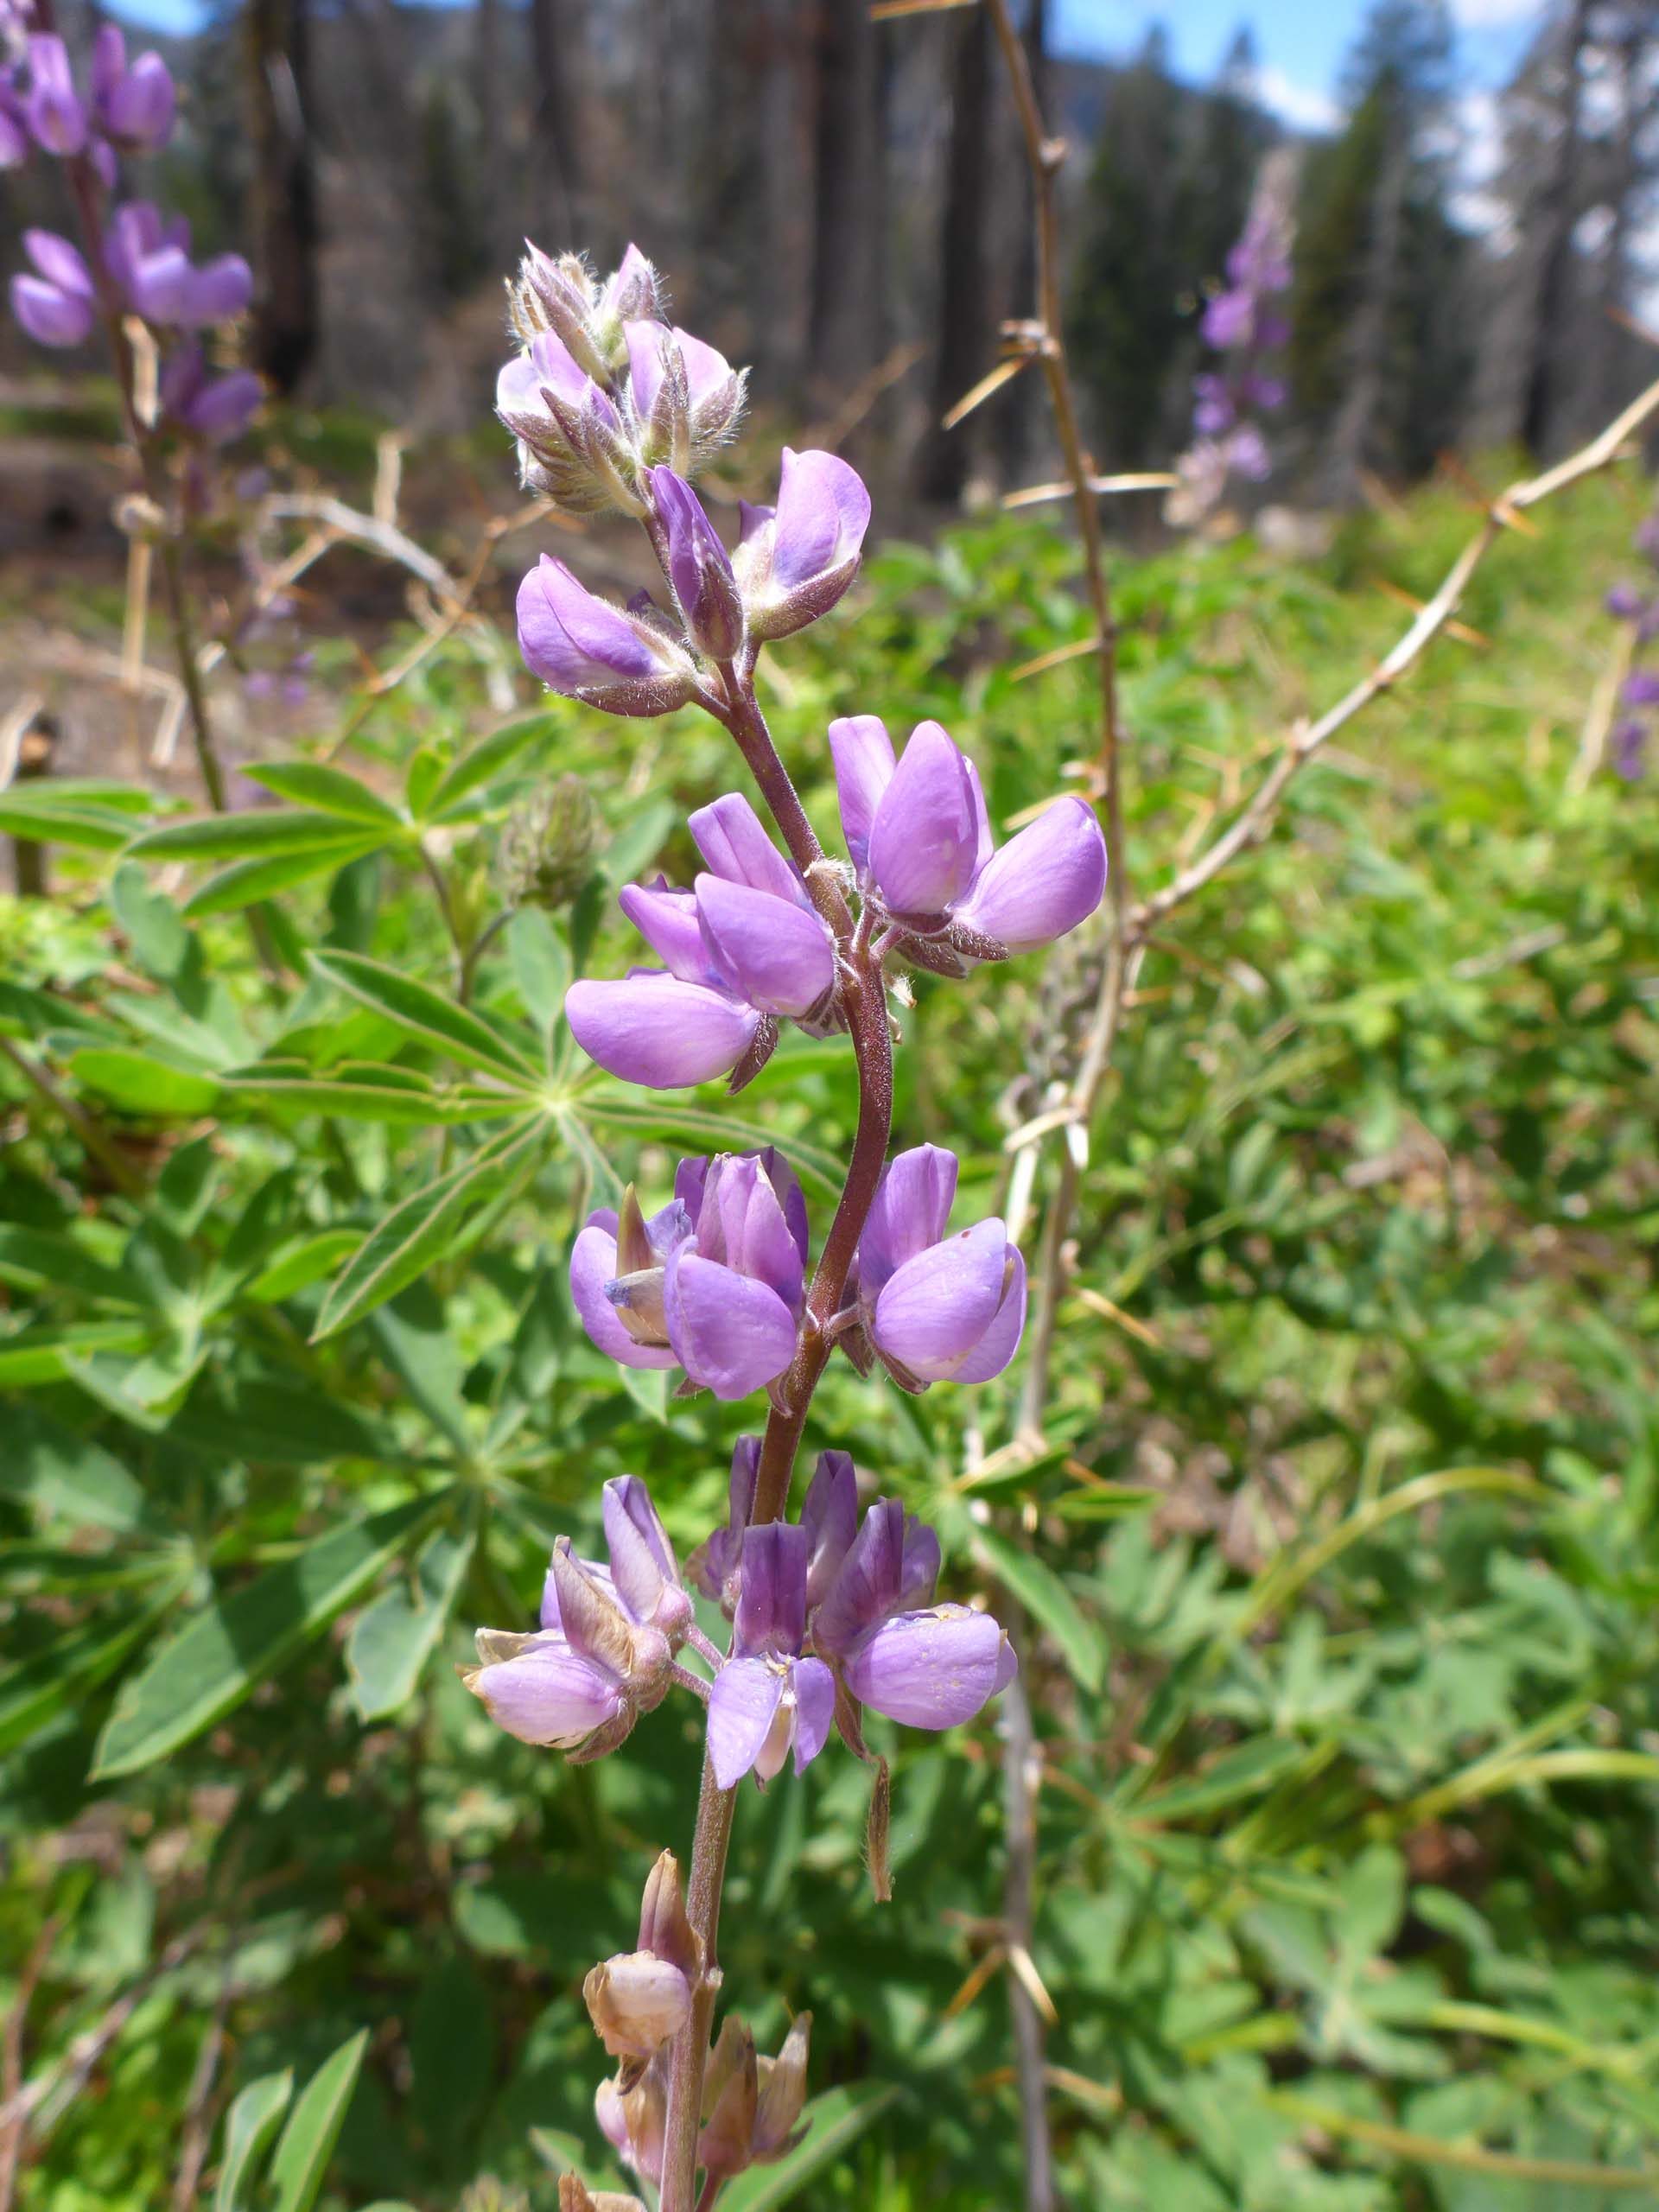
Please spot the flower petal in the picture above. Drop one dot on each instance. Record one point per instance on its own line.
(548, 1695)
(742, 1705)
(642, 1558)
(667, 920)
(814, 1708)
(909, 1211)
(734, 845)
(924, 839)
(730, 1335)
(771, 1589)
(863, 755)
(654, 1029)
(935, 1308)
(1001, 1340)
(929, 1669)
(1043, 882)
(741, 1222)
(592, 1264)
(867, 1586)
(777, 954)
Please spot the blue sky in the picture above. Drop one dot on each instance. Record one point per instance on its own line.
(1299, 44)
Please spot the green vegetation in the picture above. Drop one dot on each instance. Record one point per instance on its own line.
(1342, 1561)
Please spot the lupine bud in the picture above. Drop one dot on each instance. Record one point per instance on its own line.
(636, 2002)
(570, 442)
(685, 398)
(795, 560)
(591, 651)
(699, 568)
(132, 106)
(935, 1308)
(559, 295)
(57, 306)
(767, 1700)
(547, 844)
(56, 113)
(644, 1571)
(730, 2098)
(665, 1929)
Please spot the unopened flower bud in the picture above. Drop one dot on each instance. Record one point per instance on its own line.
(589, 650)
(699, 568)
(665, 1929)
(636, 2002)
(685, 397)
(547, 845)
(634, 2121)
(796, 559)
(559, 295)
(56, 115)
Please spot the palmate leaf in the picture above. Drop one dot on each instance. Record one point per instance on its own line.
(484, 762)
(362, 1092)
(316, 785)
(263, 834)
(428, 1015)
(60, 814)
(426, 1226)
(712, 1130)
(224, 1652)
(245, 882)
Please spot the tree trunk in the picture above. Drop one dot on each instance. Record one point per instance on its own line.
(964, 320)
(1028, 411)
(845, 320)
(285, 229)
(556, 148)
(1553, 216)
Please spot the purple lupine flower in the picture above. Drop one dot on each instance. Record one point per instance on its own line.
(924, 1664)
(588, 650)
(608, 1636)
(714, 1283)
(149, 257)
(1228, 319)
(699, 568)
(569, 435)
(1625, 603)
(742, 948)
(796, 559)
(58, 306)
(56, 113)
(1248, 456)
(684, 397)
(133, 106)
(766, 1700)
(931, 1307)
(1629, 743)
(1641, 688)
(919, 833)
(1213, 410)
(217, 409)
(637, 1999)
(713, 1565)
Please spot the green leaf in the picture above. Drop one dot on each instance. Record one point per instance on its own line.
(299, 1266)
(425, 1013)
(485, 761)
(428, 1223)
(225, 1652)
(715, 1132)
(262, 834)
(62, 1474)
(161, 944)
(392, 1639)
(833, 2122)
(1244, 1771)
(307, 2144)
(47, 1355)
(541, 965)
(47, 816)
(38, 1688)
(142, 1085)
(249, 2126)
(392, 1095)
(245, 882)
(314, 785)
(49, 1259)
(1042, 1594)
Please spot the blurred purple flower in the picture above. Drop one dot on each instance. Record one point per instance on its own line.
(742, 948)
(14, 124)
(1213, 409)
(56, 115)
(56, 306)
(149, 257)
(1629, 749)
(714, 1283)
(217, 409)
(933, 1307)
(767, 1700)
(133, 106)
(1641, 689)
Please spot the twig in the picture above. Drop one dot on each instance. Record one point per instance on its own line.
(51, 2092)
(198, 2128)
(1139, 480)
(11, 2061)
(96, 1141)
(1022, 1772)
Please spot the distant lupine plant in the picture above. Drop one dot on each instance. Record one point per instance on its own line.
(1243, 327)
(1639, 693)
(614, 408)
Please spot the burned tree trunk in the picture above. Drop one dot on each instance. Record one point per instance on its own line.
(284, 225)
(964, 322)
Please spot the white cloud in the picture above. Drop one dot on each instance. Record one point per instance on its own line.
(1301, 106)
